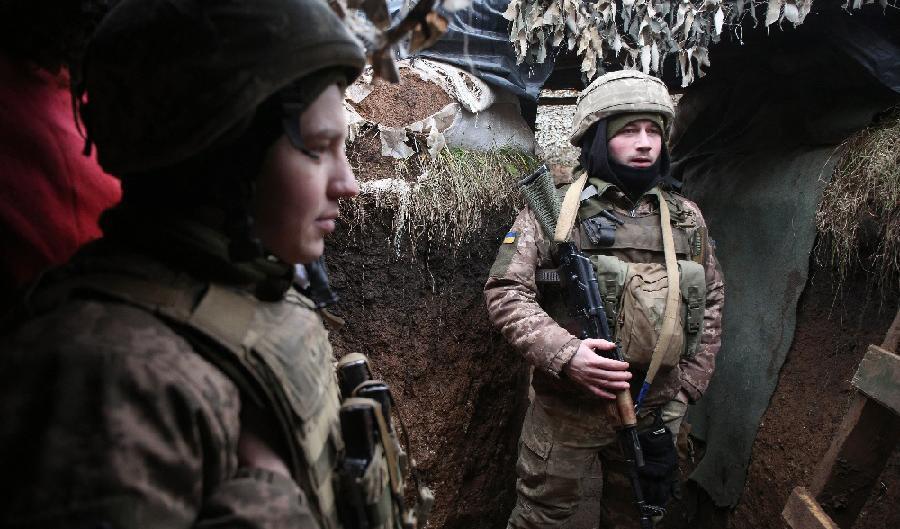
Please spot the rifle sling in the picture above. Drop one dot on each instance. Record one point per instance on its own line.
(670, 316)
(569, 209)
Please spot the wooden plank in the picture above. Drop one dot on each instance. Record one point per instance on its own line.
(878, 377)
(824, 469)
(557, 101)
(802, 511)
(850, 469)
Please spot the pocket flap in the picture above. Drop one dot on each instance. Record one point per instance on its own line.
(536, 436)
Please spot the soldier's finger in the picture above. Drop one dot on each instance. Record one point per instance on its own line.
(601, 393)
(601, 362)
(612, 385)
(602, 374)
(597, 343)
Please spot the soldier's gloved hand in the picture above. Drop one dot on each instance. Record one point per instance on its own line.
(598, 374)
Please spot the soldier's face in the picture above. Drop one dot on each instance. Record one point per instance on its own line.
(637, 145)
(296, 199)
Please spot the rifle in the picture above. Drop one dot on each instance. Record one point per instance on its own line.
(579, 281)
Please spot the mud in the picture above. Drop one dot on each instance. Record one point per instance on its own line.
(461, 390)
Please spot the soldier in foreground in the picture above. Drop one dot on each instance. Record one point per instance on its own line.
(171, 375)
(662, 291)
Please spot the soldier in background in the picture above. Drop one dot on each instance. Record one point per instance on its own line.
(170, 375)
(620, 124)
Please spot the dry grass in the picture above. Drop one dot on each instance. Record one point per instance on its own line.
(448, 203)
(859, 217)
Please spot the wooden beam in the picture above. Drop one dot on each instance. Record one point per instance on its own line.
(802, 511)
(844, 479)
(878, 377)
(557, 101)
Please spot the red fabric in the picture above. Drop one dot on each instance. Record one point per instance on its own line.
(50, 194)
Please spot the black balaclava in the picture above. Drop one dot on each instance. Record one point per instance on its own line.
(632, 181)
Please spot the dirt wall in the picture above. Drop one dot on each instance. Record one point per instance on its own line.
(835, 325)
(812, 397)
(461, 389)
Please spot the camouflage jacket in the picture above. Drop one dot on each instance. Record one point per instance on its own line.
(514, 307)
(113, 419)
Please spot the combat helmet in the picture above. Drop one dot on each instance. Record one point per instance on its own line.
(619, 92)
(166, 79)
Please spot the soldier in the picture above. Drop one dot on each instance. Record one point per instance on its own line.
(621, 190)
(170, 375)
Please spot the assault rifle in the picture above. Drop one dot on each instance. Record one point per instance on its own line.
(579, 281)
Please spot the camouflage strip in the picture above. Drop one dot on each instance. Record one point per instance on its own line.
(540, 193)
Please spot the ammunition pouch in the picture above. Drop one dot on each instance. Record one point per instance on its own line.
(371, 476)
(634, 297)
(363, 475)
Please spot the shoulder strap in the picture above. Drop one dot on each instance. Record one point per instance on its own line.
(221, 314)
(569, 209)
(670, 315)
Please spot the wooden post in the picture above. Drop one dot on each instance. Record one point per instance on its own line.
(844, 479)
(802, 511)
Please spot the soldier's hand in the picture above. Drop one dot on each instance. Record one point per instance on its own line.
(599, 375)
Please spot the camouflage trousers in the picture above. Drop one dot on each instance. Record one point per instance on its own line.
(571, 470)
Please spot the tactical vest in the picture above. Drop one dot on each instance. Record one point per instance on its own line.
(634, 288)
(277, 353)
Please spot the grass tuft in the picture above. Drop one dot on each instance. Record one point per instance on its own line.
(448, 202)
(859, 217)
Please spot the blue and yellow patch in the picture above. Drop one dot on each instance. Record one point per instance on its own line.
(510, 238)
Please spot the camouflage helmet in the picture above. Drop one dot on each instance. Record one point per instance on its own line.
(620, 92)
(166, 78)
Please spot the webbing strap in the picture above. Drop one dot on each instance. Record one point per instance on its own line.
(670, 315)
(569, 209)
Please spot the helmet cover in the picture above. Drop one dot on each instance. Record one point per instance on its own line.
(625, 91)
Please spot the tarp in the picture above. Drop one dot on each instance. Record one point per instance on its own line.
(478, 42)
(871, 39)
(755, 145)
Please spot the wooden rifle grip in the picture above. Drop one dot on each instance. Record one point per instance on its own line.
(625, 409)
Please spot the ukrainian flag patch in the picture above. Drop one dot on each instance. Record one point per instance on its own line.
(510, 238)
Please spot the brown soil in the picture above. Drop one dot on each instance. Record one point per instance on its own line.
(811, 399)
(400, 104)
(368, 163)
(461, 389)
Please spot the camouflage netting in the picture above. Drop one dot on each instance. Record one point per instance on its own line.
(643, 32)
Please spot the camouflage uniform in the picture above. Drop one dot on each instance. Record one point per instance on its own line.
(566, 429)
(137, 427)
(135, 371)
